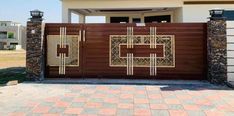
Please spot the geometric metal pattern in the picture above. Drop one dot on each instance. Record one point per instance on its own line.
(167, 41)
(72, 42)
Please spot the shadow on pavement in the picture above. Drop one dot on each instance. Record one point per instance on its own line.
(13, 73)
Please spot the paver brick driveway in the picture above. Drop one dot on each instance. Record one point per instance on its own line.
(122, 100)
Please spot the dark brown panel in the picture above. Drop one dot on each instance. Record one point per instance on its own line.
(190, 50)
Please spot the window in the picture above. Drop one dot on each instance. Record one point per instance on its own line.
(229, 14)
(10, 35)
(158, 19)
(3, 24)
(136, 20)
(119, 20)
(3, 35)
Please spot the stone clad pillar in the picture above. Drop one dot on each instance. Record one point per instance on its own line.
(34, 48)
(217, 50)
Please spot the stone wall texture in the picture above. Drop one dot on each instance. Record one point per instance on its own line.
(34, 51)
(217, 51)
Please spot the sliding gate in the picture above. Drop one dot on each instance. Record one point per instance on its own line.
(158, 51)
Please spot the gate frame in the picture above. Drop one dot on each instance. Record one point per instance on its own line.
(216, 34)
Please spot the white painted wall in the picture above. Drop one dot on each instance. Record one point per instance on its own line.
(183, 13)
(230, 50)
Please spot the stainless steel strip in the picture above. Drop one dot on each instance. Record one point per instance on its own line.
(155, 36)
(84, 39)
(127, 64)
(64, 64)
(132, 37)
(132, 59)
(155, 65)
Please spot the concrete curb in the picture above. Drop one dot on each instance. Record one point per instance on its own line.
(125, 81)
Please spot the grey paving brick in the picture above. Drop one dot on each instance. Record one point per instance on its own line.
(90, 111)
(109, 105)
(142, 106)
(156, 101)
(205, 107)
(95, 100)
(67, 99)
(175, 107)
(124, 112)
(46, 104)
(160, 112)
(126, 100)
(196, 113)
(57, 110)
(142, 96)
(77, 105)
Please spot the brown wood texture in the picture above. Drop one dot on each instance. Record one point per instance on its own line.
(190, 50)
(71, 71)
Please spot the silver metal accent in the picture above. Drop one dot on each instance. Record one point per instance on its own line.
(153, 64)
(84, 39)
(153, 37)
(153, 57)
(130, 63)
(79, 36)
(130, 57)
(130, 40)
(62, 56)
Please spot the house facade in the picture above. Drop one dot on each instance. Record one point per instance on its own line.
(145, 11)
(12, 35)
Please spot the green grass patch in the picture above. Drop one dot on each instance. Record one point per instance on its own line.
(10, 74)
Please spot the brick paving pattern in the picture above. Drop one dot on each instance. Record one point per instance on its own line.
(120, 100)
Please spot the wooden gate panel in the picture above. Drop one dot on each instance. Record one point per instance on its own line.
(72, 50)
(190, 50)
(187, 40)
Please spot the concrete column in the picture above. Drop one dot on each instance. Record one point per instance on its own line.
(66, 15)
(217, 51)
(81, 18)
(34, 50)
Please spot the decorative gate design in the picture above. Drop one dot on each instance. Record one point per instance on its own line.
(158, 51)
(152, 40)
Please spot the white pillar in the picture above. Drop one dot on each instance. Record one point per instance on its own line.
(81, 18)
(66, 15)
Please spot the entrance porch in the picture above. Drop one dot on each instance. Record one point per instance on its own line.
(143, 15)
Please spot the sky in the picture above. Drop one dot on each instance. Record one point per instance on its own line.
(19, 11)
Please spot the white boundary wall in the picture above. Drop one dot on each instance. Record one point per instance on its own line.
(230, 50)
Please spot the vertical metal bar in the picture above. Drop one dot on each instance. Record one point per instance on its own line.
(65, 37)
(59, 46)
(84, 39)
(128, 42)
(132, 64)
(150, 64)
(155, 64)
(62, 47)
(150, 37)
(127, 64)
(60, 37)
(155, 36)
(132, 39)
(64, 64)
